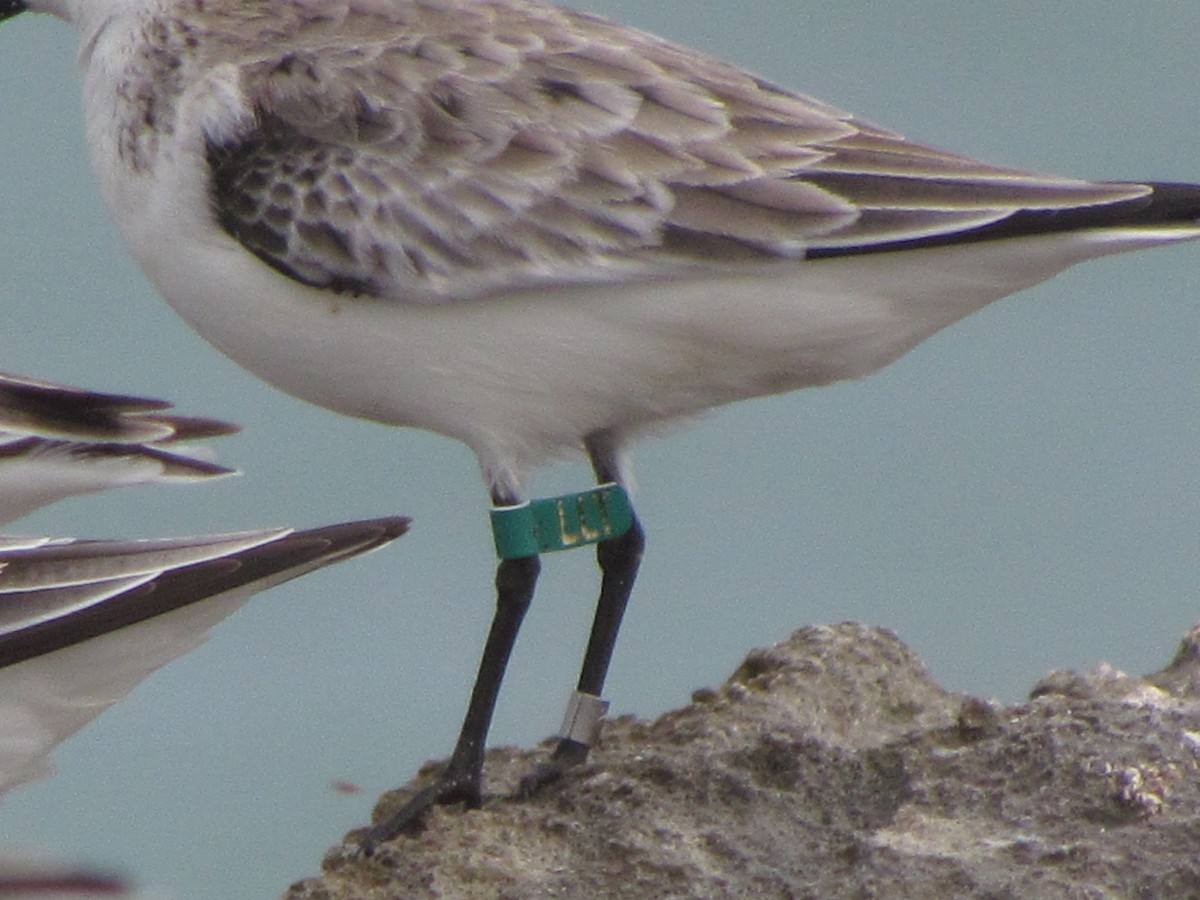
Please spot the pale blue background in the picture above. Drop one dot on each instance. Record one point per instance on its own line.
(1020, 493)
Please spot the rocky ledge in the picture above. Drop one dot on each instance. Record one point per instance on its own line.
(831, 766)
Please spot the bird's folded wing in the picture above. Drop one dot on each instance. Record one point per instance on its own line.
(437, 156)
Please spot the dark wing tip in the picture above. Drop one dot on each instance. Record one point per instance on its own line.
(46, 409)
(282, 558)
(1166, 204)
(373, 531)
(1170, 202)
(34, 390)
(193, 428)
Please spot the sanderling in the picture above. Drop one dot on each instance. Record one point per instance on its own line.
(56, 441)
(540, 232)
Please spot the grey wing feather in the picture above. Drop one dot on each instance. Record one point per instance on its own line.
(54, 593)
(71, 647)
(508, 146)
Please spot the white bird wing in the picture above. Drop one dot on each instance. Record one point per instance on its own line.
(83, 622)
(432, 151)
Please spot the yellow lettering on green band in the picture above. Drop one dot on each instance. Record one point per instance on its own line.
(561, 523)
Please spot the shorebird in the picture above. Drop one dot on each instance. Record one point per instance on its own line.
(541, 232)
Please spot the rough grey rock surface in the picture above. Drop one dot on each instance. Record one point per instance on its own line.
(832, 766)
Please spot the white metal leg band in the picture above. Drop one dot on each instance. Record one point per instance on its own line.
(582, 721)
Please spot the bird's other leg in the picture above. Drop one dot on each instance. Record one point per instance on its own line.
(462, 779)
(619, 558)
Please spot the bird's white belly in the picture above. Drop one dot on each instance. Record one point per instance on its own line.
(523, 378)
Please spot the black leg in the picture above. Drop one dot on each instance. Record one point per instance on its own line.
(463, 777)
(619, 559)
